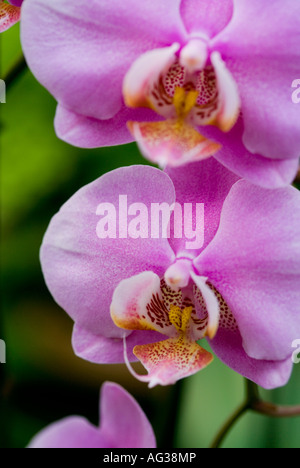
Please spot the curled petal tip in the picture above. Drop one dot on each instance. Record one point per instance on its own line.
(212, 331)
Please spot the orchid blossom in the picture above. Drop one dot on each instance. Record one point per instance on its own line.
(10, 13)
(188, 78)
(152, 297)
(123, 424)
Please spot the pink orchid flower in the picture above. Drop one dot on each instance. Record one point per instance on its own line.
(157, 295)
(10, 13)
(191, 78)
(123, 425)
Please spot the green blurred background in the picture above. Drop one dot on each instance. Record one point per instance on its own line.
(42, 380)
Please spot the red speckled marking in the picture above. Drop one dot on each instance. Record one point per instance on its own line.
(9, 15)
(173, 359)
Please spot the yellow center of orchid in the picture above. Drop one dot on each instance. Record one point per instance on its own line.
(180, 318)
(184, 101)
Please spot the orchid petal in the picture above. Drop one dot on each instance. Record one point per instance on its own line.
(212, 304)
(144, 72)
(16, 3)
(99, 349)
(122, 419)
(71, 432)
(258, 274)
(206, 182)
(228, 346)
(138, 304)
(265, 172)
(87, 132)
(229, 99)
(81, 269)
(68, 46)
(264, 61)
(206, 18)
(123, 425)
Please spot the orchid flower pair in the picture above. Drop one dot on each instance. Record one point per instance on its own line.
(186, 79)
(123, 425)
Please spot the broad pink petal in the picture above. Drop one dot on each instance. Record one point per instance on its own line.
(80, 51)
(206, 182)
(268, 374)
(87, 132)
(16, 3)
(122, 420)
(81, 269)
(254, 262)
(264, 61)
(71, 432)
(101, 350)
(268, 173)
(206, 17)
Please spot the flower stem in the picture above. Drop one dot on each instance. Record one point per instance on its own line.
(276, 411)
(222, 434)
(254, 403)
